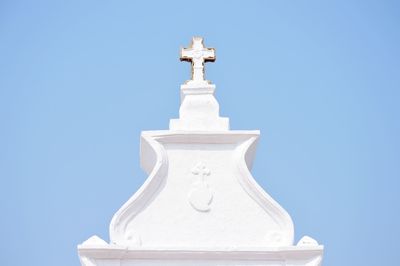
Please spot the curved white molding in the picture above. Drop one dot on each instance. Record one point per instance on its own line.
(236, 148)
(245, 154)
(153, 157)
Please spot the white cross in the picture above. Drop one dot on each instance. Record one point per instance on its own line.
(201, 169)
(198, 55)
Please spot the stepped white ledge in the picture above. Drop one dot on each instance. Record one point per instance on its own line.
(199, 110)
(116, 255)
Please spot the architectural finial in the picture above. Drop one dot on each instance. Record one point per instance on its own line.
(197, 54)
(199, 109)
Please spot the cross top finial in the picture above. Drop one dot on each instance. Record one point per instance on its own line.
(197, 54)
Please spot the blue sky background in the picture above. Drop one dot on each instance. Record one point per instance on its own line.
(79, 80)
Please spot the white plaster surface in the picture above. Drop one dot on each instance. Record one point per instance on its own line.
(200, 205)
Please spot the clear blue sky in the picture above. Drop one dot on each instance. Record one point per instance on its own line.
(79, 80)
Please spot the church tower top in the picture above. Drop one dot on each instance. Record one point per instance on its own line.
(200, 205)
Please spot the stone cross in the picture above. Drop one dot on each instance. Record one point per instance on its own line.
(198, 55)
